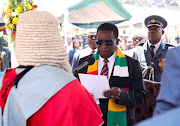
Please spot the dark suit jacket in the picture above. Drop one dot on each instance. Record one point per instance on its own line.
(71, 54)
(130, 98)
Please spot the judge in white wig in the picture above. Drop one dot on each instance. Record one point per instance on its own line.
(42, 90)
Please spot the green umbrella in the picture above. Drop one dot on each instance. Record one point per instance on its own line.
(92, 13)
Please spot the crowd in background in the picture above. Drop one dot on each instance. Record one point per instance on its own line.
(149, 3)
(127, 43)
(79, 42)
(75, 44)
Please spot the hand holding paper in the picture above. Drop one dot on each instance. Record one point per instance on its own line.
(113, 93)
(95, 84)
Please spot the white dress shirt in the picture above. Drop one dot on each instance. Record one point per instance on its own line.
(110, 64)
(156, 46)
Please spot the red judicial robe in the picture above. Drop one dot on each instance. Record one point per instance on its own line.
(70, 106)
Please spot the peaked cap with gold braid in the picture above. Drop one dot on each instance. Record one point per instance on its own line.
(155, 20)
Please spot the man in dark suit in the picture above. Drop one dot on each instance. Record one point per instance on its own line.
(124, 74)
(152, 53)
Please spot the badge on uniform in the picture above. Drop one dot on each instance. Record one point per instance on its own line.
(161, 64)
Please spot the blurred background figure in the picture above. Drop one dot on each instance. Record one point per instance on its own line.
(91, 42)
(76, 46)
(5, 52)
(132, 43)
(69, 44)
(129, 44)
(138, 39)
(177, 39)
(123, 42)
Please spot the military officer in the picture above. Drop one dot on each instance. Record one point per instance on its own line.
(152, 53)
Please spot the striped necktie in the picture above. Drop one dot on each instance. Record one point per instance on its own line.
(105, 69)
(93, 51)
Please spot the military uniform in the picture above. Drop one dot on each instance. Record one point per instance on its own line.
(153, 58)
(143, 55)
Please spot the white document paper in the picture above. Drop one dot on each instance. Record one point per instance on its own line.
(95, 84)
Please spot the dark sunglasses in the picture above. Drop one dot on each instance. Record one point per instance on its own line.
(107, 42)
(91, 36)
(139, 39)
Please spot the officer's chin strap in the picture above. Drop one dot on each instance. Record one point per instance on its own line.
(21, 74)
(151, 74)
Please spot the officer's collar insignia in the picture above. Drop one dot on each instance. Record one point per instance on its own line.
(153, 21)
(163, 46)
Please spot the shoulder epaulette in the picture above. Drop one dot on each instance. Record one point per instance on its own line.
(169, 45)
(140, 44)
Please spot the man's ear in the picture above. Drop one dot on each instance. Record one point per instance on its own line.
(162, 31)
(117, 41)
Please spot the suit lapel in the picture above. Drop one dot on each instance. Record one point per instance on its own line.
(160, 50)
(111, 73)
(147, 54)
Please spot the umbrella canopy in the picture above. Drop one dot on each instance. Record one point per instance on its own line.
(92, 13)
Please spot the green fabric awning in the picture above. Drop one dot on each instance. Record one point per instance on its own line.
(92, 13)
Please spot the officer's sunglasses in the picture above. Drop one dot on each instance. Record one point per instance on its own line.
(107, 42)
(91, 36)
(139, 39)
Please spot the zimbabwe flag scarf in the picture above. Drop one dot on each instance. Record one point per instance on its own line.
(116, 115)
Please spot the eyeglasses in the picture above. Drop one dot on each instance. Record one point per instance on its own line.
(107, 42)
(91, 36)
(139, 39)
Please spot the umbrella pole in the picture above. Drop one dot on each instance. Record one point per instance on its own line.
(66, 14)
